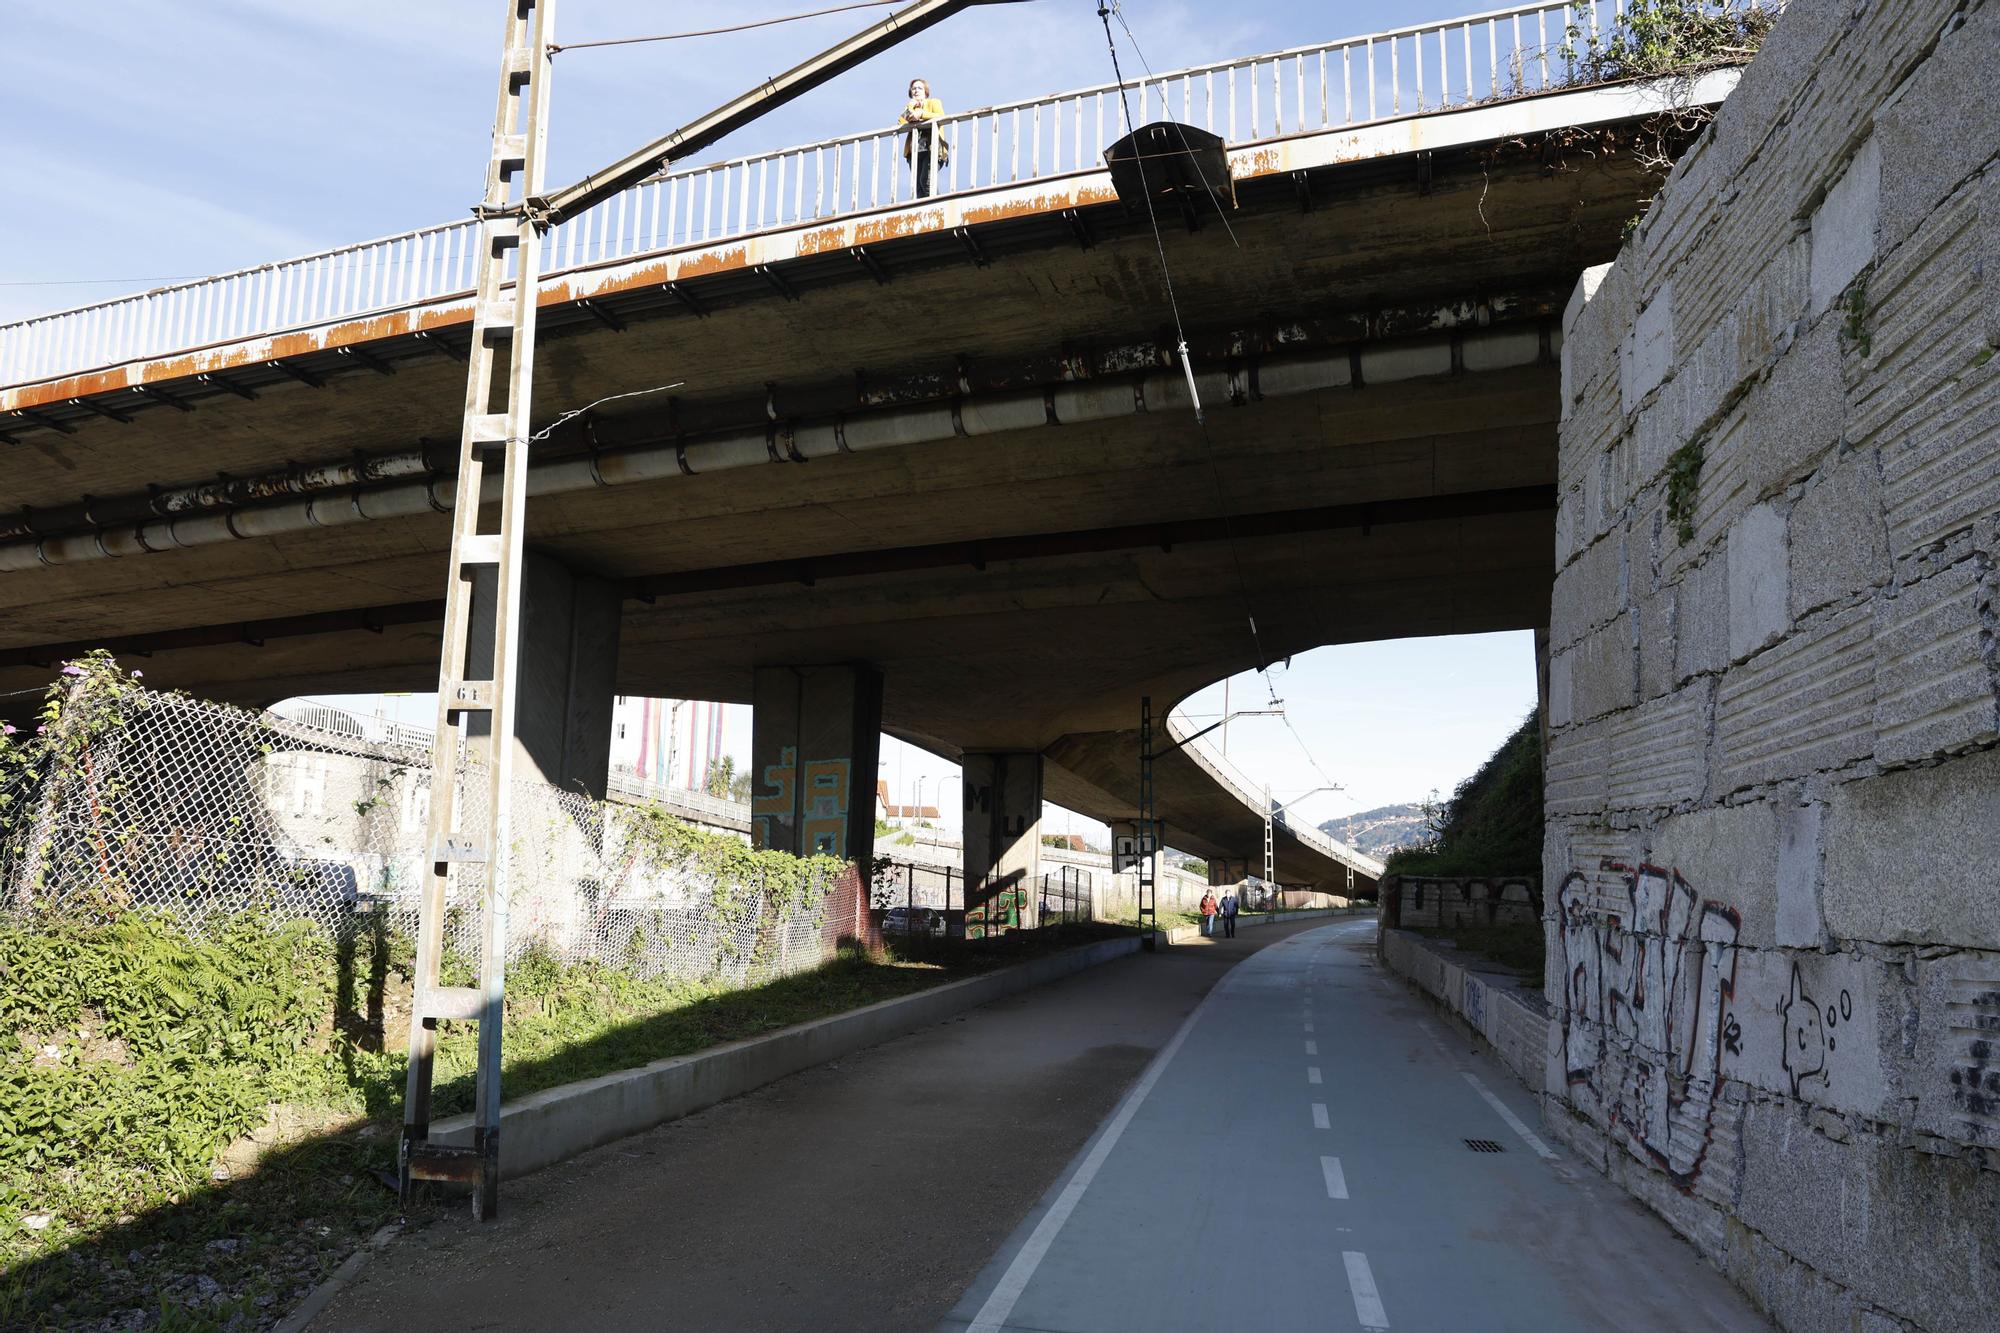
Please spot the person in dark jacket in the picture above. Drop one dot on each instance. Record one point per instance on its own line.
(1229, 906)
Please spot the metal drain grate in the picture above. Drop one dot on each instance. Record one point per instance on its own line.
(1484, 1145)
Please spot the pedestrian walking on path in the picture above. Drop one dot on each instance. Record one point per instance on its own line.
(1228, 908)
(1208, 906)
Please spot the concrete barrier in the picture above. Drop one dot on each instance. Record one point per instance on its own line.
(1489, 1001)
(547, 1127)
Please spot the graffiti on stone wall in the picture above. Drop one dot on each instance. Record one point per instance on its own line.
(1649, 985)
(1810, 1032)
(1428, 901)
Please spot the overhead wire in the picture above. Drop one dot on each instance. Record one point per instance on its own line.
(1104, 12)
(734, 27)
(1118, 12)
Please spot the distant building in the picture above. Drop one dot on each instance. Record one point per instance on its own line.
(901, 814)
(673, 742)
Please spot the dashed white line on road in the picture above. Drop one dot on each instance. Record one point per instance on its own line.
(1336, 1180)
(1361, 1282)
(1309, 1025)
(1320, 1120)
(1312, 1073)
(1513, 1121)
(1312, 1047)
(999, 1305)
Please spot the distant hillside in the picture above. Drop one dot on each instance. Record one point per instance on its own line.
(1493, 823)
(1380, 831)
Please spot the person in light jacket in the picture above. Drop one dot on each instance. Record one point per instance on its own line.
(1228, 912)
(921, 142)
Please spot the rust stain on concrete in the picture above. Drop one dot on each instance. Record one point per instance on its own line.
(910, 222)
(715, 261)
(458, 311)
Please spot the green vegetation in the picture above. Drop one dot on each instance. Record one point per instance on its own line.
(1520, 946)
(1666, 37)
(1683, 488)
(1854, 329)
(1493, 823)
(200, 1126)
(726, 782)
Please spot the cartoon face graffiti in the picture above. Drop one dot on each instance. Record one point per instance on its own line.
(1804, 1033)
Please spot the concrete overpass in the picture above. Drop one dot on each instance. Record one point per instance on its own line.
(945, 439)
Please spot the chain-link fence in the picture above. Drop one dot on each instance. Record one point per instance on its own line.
(918, 899)
(138, 799)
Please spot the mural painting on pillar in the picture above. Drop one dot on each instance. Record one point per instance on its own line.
(775, 799)
(828, 788)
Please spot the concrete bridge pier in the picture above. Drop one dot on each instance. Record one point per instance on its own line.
(814, 739)
(1003, 838)
(568, 660)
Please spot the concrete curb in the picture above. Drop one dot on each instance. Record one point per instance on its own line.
(1488, 1002)
(322, 1296)
(558, 1123)
(1188, 934)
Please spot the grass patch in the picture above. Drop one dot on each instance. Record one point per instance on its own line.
(195, 1129)
(1519, 946)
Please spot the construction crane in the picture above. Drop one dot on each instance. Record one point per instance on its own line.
(477, 691)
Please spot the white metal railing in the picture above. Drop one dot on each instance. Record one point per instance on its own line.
(1232, 779)
(700, 806)
(1429, 67)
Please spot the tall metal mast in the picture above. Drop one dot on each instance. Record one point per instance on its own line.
(469, 843)
(476, 685)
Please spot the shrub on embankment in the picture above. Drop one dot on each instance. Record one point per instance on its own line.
(196, 1126)
(1492, 825)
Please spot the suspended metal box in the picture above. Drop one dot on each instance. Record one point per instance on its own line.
(1176, 163)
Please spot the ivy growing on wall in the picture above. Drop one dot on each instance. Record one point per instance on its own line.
(1683, 488)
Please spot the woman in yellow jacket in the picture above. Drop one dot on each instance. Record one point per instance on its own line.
(919, 139)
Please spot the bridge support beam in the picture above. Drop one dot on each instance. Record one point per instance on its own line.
(1003, 840)
(568, 664)
(814, 736)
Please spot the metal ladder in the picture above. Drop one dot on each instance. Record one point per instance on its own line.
(1149, 834)
(476, 680)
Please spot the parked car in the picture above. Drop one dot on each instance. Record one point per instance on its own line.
(913, 921)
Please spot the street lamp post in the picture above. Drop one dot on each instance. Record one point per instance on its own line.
(1271, 809)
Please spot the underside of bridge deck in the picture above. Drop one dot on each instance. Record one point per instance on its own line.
(1018, 589)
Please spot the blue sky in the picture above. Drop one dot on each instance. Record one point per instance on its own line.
(148, 141)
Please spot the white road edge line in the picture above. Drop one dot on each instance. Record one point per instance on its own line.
(999, 1304)
(1513, 1121)
(1312, 1073)
(1336, 1179)
(1361, 1283)
(1320, 1120)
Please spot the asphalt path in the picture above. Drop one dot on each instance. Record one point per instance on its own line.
(1316, 1149)
(1267, 1133)
(862, 1194)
